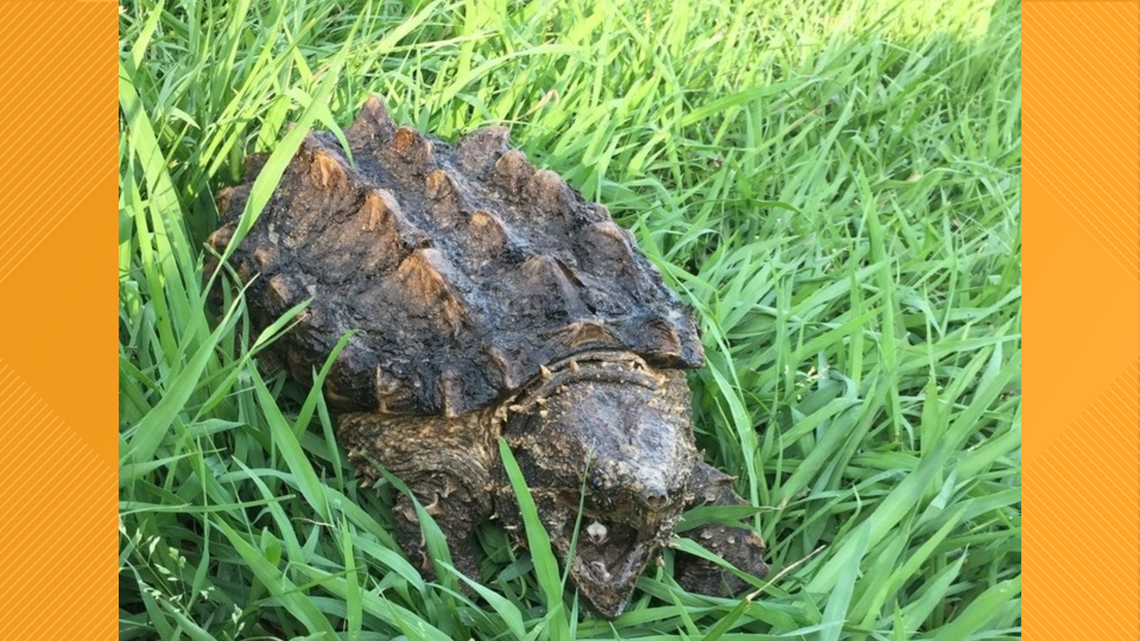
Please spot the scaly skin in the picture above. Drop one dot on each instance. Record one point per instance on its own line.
(606, 422)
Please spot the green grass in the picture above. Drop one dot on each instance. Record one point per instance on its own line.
(834, 186)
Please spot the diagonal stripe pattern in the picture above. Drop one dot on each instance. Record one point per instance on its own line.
(1081, 137)
(58, 496)
(50, 79)
(58, 524)
(1080, 542)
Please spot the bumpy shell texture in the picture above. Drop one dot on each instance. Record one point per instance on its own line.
(463, 269)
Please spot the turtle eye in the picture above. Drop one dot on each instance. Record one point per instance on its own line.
(597, 480)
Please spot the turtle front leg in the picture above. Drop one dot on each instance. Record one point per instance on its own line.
(445, 463)
(738, 545)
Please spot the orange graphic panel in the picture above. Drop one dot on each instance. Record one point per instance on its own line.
(58, 390)
(1080, 514)
(1082, 319)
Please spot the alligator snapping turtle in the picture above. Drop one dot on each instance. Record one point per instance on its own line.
(489, 301)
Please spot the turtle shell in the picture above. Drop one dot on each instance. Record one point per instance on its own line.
(463, 270)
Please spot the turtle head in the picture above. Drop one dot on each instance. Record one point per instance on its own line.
(605, 444)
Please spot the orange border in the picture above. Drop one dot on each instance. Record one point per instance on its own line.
(1082, 326)
(1082, 302)
(58, 399)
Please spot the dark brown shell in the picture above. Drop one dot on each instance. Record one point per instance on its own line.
(464, 268)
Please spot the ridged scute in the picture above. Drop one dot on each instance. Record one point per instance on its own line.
(462, 270)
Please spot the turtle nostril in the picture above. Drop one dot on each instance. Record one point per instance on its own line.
(656, 499)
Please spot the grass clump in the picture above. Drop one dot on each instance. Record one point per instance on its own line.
(833, 186)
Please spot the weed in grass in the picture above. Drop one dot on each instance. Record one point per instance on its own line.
(833, 186)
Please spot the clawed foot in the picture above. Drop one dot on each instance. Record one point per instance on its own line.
(739, 546)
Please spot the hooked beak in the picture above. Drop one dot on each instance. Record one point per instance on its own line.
(606, 567)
